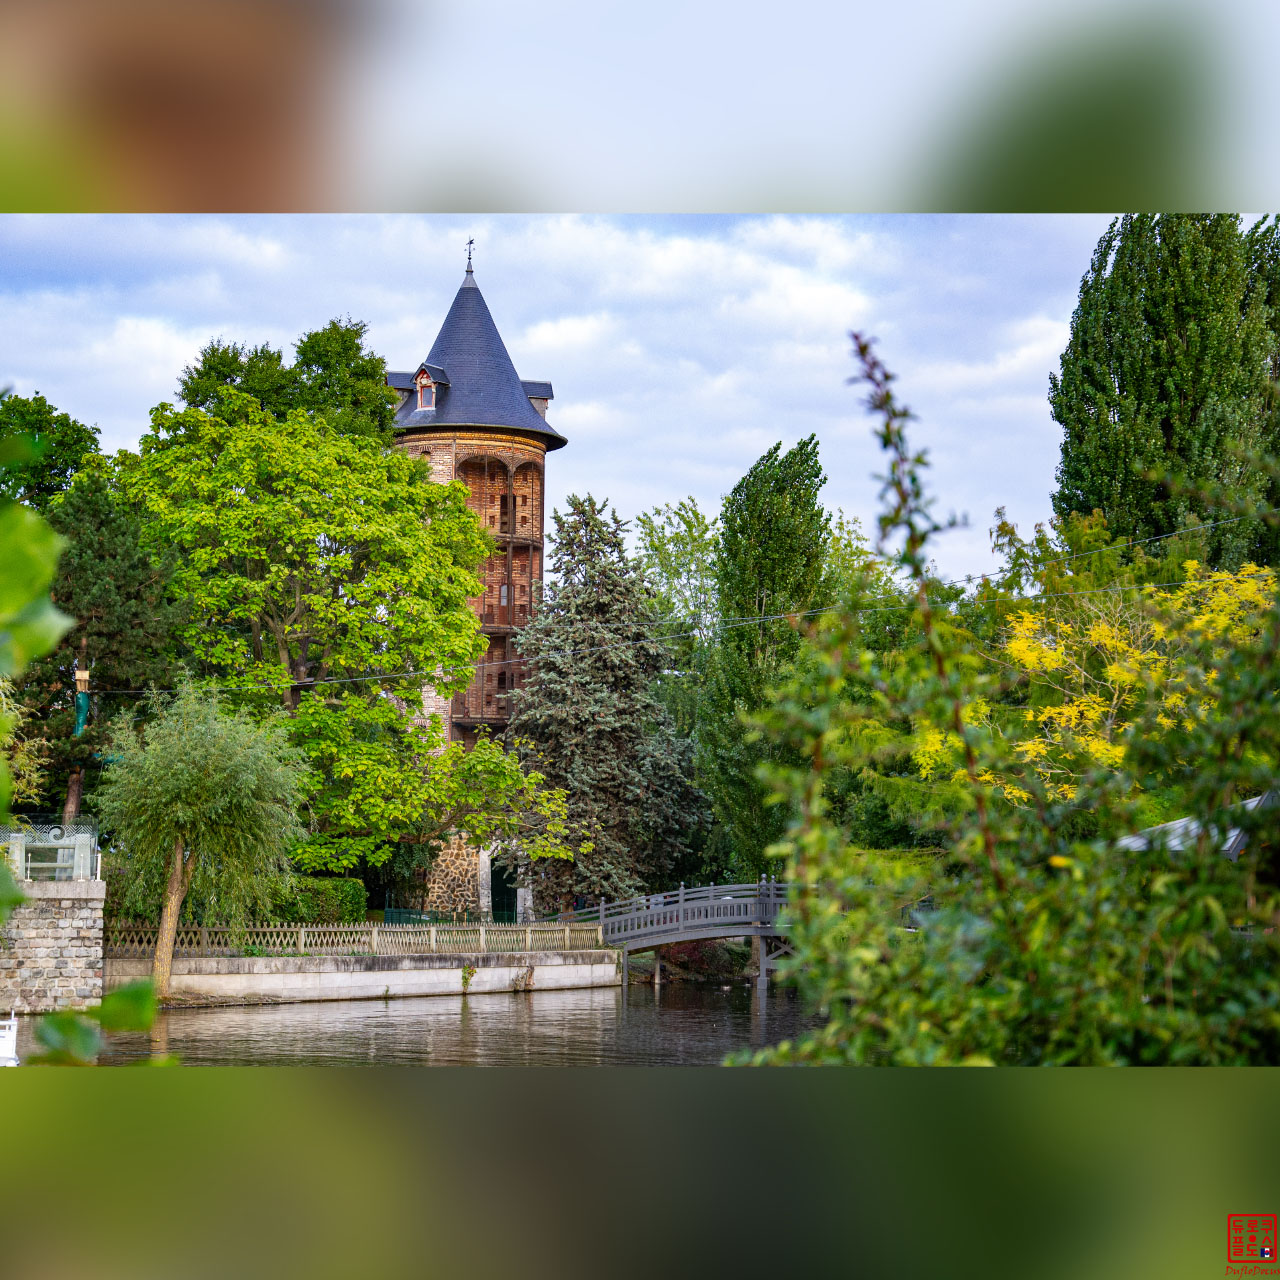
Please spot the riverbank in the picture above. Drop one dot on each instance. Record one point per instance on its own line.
(212, 981)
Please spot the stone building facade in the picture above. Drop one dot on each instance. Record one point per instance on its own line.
(51, 947)
(468, 413)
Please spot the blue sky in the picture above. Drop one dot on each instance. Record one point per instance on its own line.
(680, 347)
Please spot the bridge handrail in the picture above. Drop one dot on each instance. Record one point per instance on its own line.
(767, 892)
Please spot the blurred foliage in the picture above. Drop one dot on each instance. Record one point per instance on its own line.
(73, 1039)
(1042, 946)
(1119, 115)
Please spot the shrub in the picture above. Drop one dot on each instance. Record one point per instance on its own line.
(322, 900)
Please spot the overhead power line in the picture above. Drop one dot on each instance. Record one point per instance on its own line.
(437, 673)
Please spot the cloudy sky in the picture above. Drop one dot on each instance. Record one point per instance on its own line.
(680, 348)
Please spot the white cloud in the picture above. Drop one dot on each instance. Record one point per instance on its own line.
(680, 349)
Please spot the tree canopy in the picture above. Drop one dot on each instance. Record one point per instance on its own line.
(770, 562)
(57, 444)
(333, 375)
(1037, 946)
(201, 797)
(306, 554)
(1165, 379)
(116, 587)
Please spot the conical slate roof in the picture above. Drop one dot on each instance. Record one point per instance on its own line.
(482, 387)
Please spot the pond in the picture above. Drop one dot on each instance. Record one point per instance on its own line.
(672, 1025)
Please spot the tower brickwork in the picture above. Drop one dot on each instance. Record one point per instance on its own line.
(467, 413)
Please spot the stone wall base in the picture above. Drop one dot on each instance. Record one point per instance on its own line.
(51, 947)
(295, 978)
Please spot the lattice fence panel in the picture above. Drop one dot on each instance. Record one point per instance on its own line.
(124, 940)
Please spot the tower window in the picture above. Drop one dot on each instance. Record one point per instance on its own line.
(502, 593)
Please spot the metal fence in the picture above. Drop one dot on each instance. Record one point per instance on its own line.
(49, 849)
(125, 941)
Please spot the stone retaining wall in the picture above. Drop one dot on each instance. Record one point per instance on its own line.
(295, 978)
(51, 947)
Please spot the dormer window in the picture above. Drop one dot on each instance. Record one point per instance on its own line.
(426, 390)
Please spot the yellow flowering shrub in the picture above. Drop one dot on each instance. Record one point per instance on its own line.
(1089, 660)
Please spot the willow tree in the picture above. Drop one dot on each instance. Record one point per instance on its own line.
(1164, 377)
(205, 798)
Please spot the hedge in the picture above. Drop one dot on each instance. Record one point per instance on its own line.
(323, 900)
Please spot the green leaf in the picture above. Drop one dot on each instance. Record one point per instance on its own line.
(128, 1008)
(70, 1038)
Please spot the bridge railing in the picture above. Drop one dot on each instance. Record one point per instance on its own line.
(706, 907)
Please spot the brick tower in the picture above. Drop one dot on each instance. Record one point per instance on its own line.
(468, 413)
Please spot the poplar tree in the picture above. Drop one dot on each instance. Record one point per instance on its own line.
(590, 716)
(769, 567)
(1263, 246)
(1164, 377)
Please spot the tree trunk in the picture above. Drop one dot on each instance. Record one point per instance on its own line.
(75, 785)
(175, 891)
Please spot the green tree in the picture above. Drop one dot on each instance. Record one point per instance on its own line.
(30, 624)
(58, 445)
(117, 590)
(589, 716)
(333, 375)
(1165, 372)
(772, 555)
(1263, 246)
(678, 556)
(1046, 948)
(201, 798)
(386, 789)
(306, 554)
(309, 557)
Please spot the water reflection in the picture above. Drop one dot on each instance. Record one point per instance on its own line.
(674, 1026)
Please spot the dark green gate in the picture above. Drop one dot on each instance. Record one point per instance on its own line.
(502, 885)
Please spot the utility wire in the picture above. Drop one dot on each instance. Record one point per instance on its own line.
(734, 623)
(730, 626)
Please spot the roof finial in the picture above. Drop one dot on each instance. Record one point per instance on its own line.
(469, 244)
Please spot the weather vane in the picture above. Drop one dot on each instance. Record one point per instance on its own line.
(469, 244)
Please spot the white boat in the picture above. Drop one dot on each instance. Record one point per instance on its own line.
(9, 1041)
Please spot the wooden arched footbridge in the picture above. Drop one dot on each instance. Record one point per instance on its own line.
(690, 915)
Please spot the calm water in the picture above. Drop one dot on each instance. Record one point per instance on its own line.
(676, 1026)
